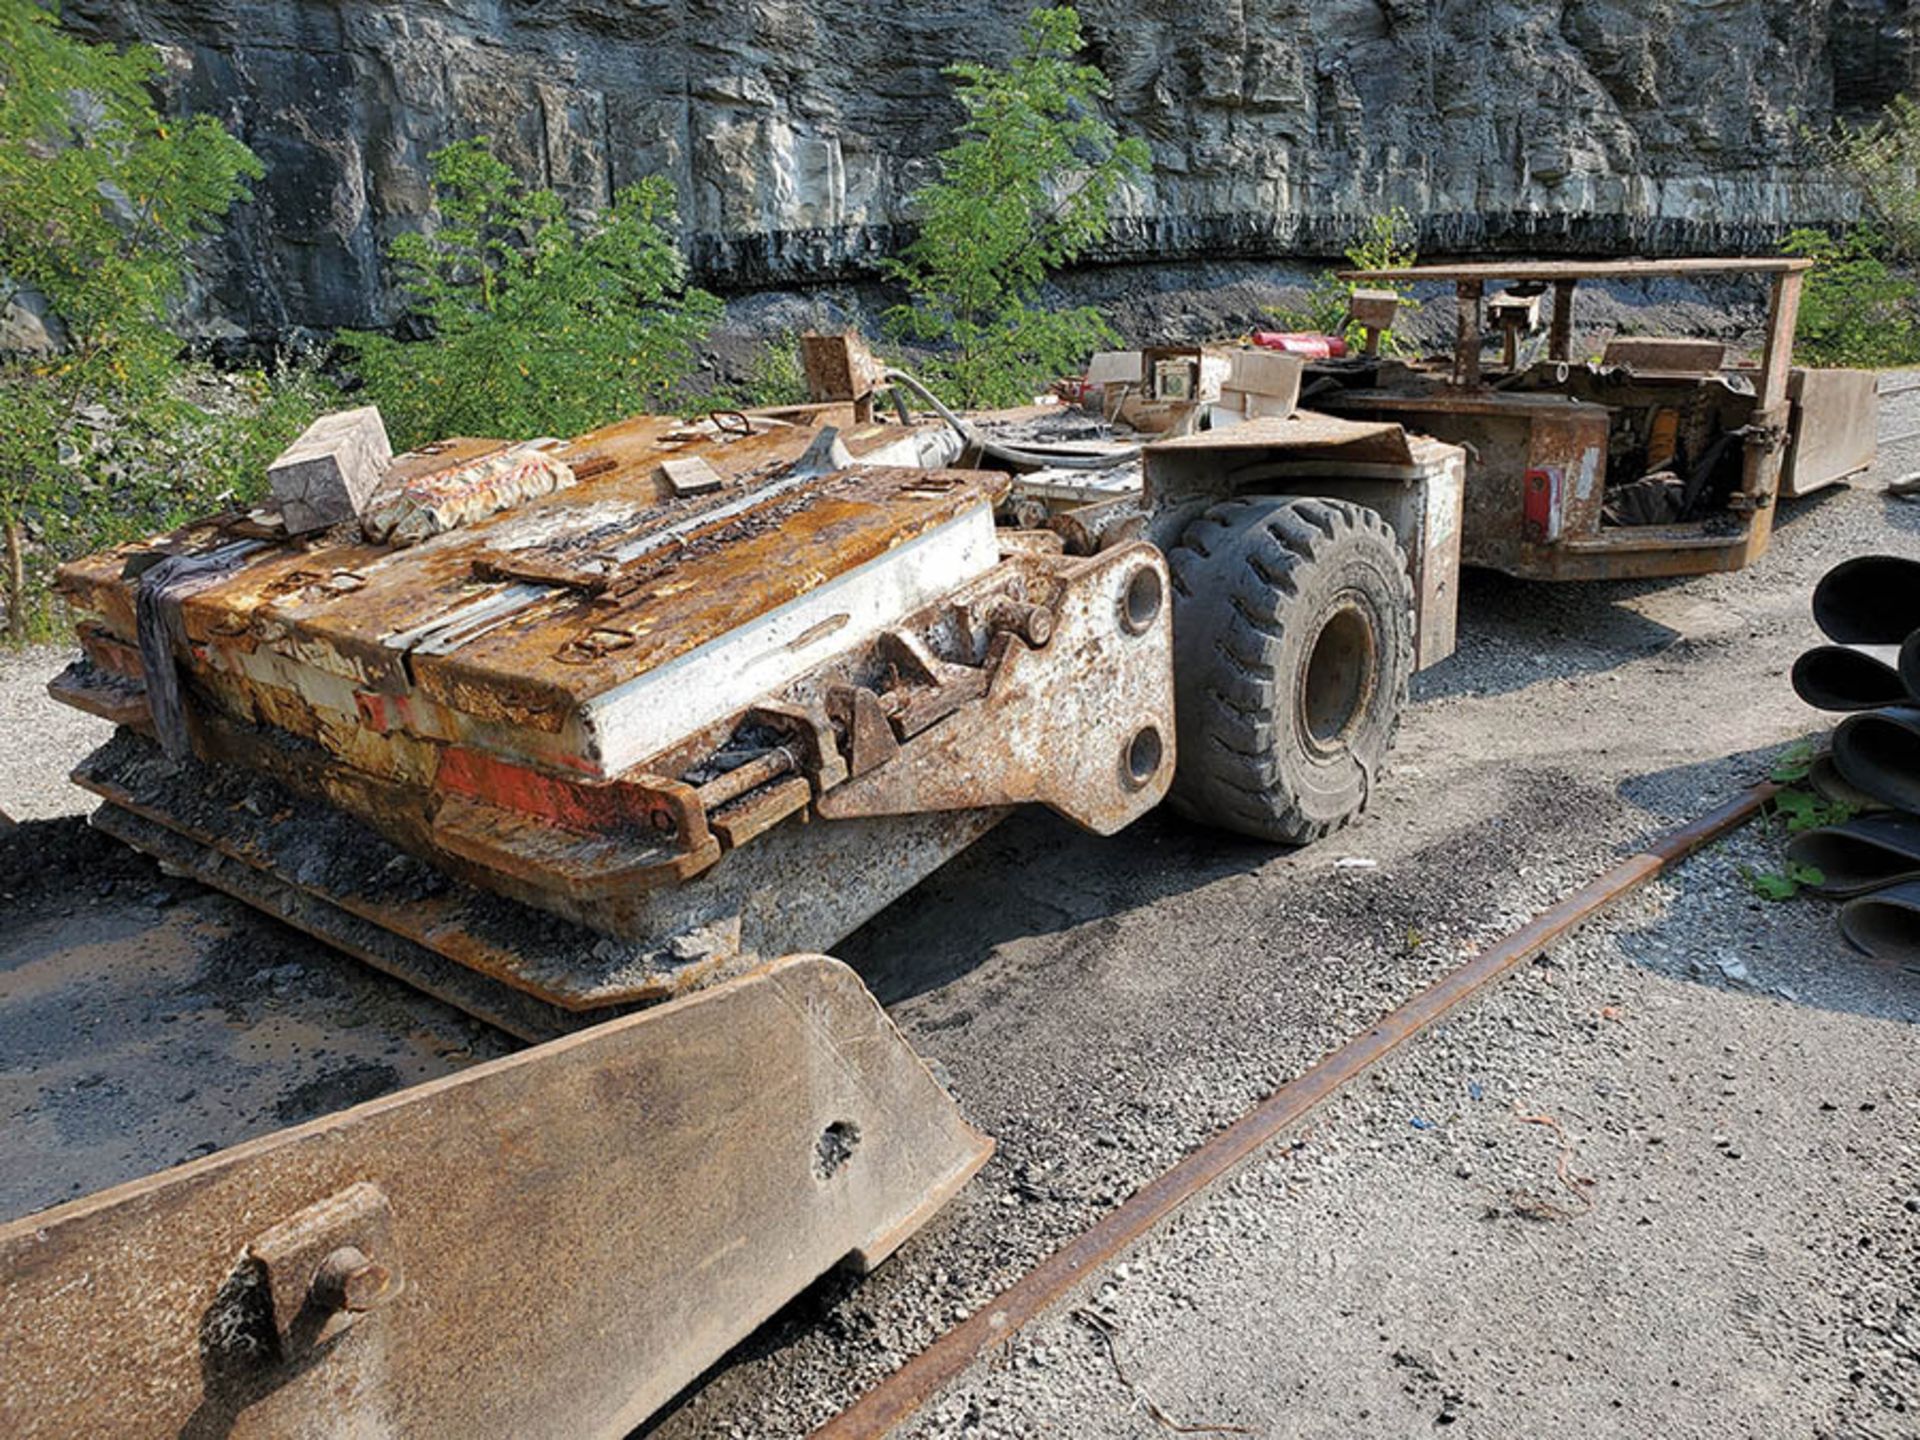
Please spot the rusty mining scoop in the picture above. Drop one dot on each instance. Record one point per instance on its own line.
(583, 738)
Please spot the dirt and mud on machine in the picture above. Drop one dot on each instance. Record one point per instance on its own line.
(603, 741)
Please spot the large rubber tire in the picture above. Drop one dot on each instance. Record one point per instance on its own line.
(1293, 646)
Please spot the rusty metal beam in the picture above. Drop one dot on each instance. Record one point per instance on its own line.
(902, 1394)
(553, 1243)
(1583, 269)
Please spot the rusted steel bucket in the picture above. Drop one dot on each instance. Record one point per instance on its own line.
(552, 1243)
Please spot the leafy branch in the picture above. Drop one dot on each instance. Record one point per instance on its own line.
(1027, 188)
(540, 324)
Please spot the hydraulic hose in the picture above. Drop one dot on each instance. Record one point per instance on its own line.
(1013, 454)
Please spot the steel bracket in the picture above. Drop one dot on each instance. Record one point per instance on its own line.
(1082, 724)
(327, 1266)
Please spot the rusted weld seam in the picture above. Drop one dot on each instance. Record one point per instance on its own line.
(901, 1395)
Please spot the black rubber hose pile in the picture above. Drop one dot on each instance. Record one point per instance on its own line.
(1869, 610)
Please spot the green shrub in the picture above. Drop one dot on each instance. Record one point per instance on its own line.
(101, 201)
(540, 324)
(122, 475)
(774, 376)
(1387, 241)
(1881, 160)
(1026, 189)
(1854, 310)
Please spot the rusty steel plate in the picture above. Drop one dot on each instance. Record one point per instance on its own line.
(1835, 428)
(1104, 677)
(1381, 442)
(553, 1243)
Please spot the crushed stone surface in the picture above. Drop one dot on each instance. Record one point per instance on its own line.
(1601, 1201)
(41, 739)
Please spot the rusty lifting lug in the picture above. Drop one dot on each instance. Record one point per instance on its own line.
(328, 1265)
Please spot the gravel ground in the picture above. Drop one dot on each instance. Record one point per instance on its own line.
(1602, 1201)
(1101, 1005)
(40, 741)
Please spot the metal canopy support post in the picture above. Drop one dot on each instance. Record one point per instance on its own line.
(1560, 338)
(1466, 351)
(1767, 437)
(1783, 316)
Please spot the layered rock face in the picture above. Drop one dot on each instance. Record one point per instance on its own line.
(795, 129)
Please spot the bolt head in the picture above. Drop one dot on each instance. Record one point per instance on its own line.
(348, 1280)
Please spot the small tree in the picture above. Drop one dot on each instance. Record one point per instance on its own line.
(1882, 162)
(540, 326)
(1027, 189)
(1854, 310)
(101, 203)
(1388, 241)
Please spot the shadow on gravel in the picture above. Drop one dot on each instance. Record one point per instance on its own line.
(1516, 633)
(1901, 514)
(1034, 875)
(1794, 513)
(820, 1309)
(1684, 792)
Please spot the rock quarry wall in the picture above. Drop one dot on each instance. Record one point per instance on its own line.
(795, 128)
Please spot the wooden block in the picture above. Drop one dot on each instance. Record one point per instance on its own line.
(690, 476)
(332, 470)
(1375, 308)
(839, 367)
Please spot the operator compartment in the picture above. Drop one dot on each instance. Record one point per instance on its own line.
(1657, 456)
